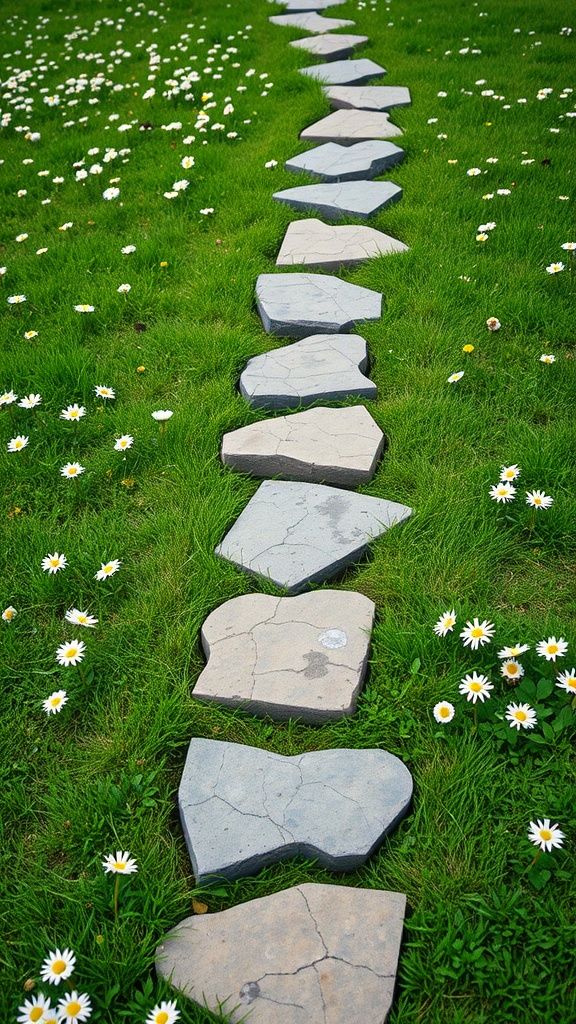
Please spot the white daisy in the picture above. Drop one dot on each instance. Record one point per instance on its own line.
(552, 648)
(55, 702)
(443, 712)
(72, 470)
(455, 377)
(510, 472)
(475, 687)
(78, 618)
(477, 633)
(511, 669)
(567, 681)
(124, 289)
(75, 1007)
(537, 499)
(33, 1009)
(513, 652)
(164, 1013)
(445, 623)
(29, 401)
(502, 492)
(70, 653)
(9, 613)
(103, 392)
(545, 835)
(108, 569)
(53, 563)
(84, 308)
(58, 966)
(120, 863)
(521, 716)
(16, 444)
(124, 442)
(73, 412)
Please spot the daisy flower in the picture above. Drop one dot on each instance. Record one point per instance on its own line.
(58, 966)
(473, 172)
(482, 237)
(552, 648)
(521, 716)
(502, 492)
(454, 377)
(547, 358)
(14, 300)
(554, 268)
(124, 442)
(566, 680)
(76, 1006)
(537, 499)
(187, 162)
(569, 246)
(545, 835)
(84, 308)
(110, 193)
(55, 702)
(443, 712)
(493, 324)
(7, 398)
(73, 412)
(445, 623)
(30, 334)
(21, 238)
(70, 653)
(271, 163)
(16, 444)
(513, 652)
(161, 415)
(124, 288)
(510, 472)
(108, 569)
(29, 401)
(128, 249)
(477, 633)
(33, 1009)
(72, 469)
(9, 613)
(78, 618)
(165, 1013)
(121, 863)
(511, 669)
(104, 392)
(53, 563)
(475, 687)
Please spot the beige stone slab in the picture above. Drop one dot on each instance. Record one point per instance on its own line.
(352, 126)
(311, 22)
(329, 46)
(368, 97)
(314, 244)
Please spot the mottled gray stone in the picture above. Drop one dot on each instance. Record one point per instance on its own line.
(332, 162)
(333, 446)
(310, 954)
(292, 305)
(345, 72)
(330, 47)
(288, 657)
(314, 244)
(310, 22)
(301, 6)
(368, 97)
(295, 534)
(323, 366)
(357, 198)
(351, 126)
(243, 808)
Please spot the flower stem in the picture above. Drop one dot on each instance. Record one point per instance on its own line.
(532, 863)
(116, 888)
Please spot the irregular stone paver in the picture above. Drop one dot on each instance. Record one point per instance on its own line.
(331, 47)
(292, 305)
(345, 72)
(351, 125)
(368, 97)
(314, 244)
(295, 534)
(323, 366)
(310, 22)
(332, 162)
(359, 198)
(334, 446)
(310, 954)
(301, 6)
(288, 657)
(243, 808)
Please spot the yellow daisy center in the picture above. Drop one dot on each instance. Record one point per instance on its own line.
(521, 716)
(71, 652)
(512, 669)
(72, 470)
(73, 1008)
(571, 682)
(444, 712)
(537, 501)
(55, 702)
(54, 561)
(107, 568)
(82, 619)
(36, 1013)
(8, 613)
(58, 967)
(18, 444)
(514, 651)
(161, 1018)
(448, 622)
(545, 834)
(477, 632)
(509, 474)
(476, 687)
(502, 490)
(552, 648)
(120, 865)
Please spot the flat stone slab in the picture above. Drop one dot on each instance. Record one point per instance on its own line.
(292, 305)
(351, 126)
(332, 162)
(295, 534)
(300, 6)
(359, 199)
(243, 808)
(331, 47)
(313, 952)
(314, 244)
(345, 72)
(321, 367)
(368, 97)
(311, 22)
(288, 657)
(334, 446)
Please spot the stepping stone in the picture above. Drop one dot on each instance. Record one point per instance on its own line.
(300, 6)
(345, 72)
(310, 22)
(330, 47)
(292, 305)
(368, 97)
(313, 952)
(288, 657)
(334, 446)
(243, 808)
(358, 198)
(351, 126)
(294, 534)
(332, 162)
(322, 367)
(314, 244)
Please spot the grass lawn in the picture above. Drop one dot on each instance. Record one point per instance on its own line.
(488, 938)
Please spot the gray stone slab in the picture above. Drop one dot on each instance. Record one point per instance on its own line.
(323, 367)
(351, 126)
(332, 162)
(368, 97)
(292, 305)
(243, 808)
(288, 657)
(295, 534)
(330, 47)
(314, 244)
(309, 954)
(345, 72)
(333, 446)
(301, 6)
(359, 199)
(311, 22)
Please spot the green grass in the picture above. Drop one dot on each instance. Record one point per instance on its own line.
(484, 939)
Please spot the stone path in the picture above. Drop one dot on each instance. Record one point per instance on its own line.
(311, 22)
(308, 5)
(331, 47)
(351, 126)
(314, 244)
(345, 72)
(292, 305)
(360, 199)
(332, 162)
(368, 97)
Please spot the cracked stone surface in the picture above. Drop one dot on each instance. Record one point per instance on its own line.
(310, 22)
(360, 199)
(321, 367)
(335, 446)
(292, 305)
(243, 808)
(314, 244)
(351, 126)
(295, 534)
(312, 954)
(331, 47)
(332, 162)
(288, 657)
(368, 97)
(300, 6)
(345, 72)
